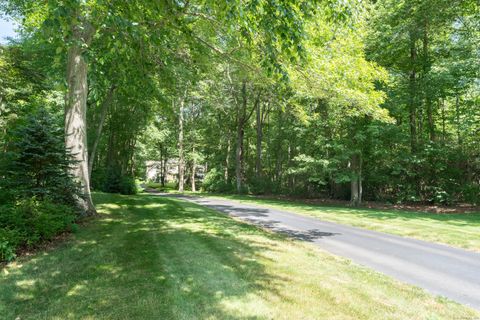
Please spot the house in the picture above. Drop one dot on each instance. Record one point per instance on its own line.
(155, 170)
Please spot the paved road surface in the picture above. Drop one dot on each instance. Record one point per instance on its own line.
(440, 269)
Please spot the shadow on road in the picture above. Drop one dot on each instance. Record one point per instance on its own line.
(256, 216)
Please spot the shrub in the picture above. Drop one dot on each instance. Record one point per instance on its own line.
(259, 186)
(31, 221)
(441, 196)
(128, 185)
(8, 244)
(98, 180)
(36, 189)
(214, 181)
(116, 182)
(471, 194)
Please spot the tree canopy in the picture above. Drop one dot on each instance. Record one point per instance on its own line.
(375, 100)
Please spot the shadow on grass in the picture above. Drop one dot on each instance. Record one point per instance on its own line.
(464, 219)
(146, 258)
(258, 217)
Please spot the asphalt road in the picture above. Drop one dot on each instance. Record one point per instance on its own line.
(439, 269)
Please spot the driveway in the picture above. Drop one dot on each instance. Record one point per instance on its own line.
(440, 269)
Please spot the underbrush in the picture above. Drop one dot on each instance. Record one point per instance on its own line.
(31, 222)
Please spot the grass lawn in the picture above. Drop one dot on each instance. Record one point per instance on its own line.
(149, 257)
(458, 230)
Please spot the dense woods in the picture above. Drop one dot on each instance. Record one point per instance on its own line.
(354, 100)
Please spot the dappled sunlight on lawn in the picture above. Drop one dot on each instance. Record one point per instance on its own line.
(153, 251)
(146, 257)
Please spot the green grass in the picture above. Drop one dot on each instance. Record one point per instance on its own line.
(458, 230)
(169, 187)
(149, 257)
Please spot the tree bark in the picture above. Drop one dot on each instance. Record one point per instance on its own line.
(194, 169)
(279, 153)
(413, 100)
(103, 114)
(241, 115)
(159, 177)
(164, 168)
(426, 70)
(227, 159)
(360, 179)
(431, 121)
(258, 159)
(457, 119)
(443, 121)
(76, 115)
(356, 180)
(181, 155)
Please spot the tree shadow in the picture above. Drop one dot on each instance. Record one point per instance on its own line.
(146, 258)
(259, 217)
(458, 219)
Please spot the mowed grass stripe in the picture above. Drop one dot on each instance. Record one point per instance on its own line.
(149, 257)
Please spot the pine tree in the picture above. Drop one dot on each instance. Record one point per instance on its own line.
(38, 163)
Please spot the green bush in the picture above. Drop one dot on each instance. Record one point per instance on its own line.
(116, 182)
(30, 222)
(9, 240)
(128, 185)
(98, 180)
(37, 192)
(259, 185)
(471, 194)
(214, 181)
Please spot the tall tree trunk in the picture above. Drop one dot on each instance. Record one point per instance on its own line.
(181, 155)
(239, 158)
(103, 114)
(413, 108)
(431, 121)
(241, 115)
(457, 119)
(360, 179)
(426, 71)
(76, 115)
(443, 121)
(227, 159)
(159, 177)
(412, 102)
(413, 94)
(258, 159)
(355, 181)
(354, 192)
(194, 170)
(164, 174)
(279, 153)
(290, 178)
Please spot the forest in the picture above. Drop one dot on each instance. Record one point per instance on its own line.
(355, 100)
(338, 100)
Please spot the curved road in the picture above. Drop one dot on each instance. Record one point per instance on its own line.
(440, 269)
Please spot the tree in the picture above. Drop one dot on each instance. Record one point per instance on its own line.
(37, 163)
(338, 99)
